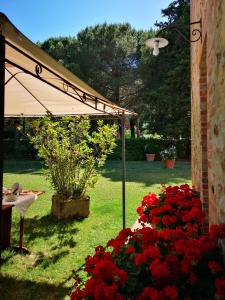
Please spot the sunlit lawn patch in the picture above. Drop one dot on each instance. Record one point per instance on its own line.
(58, 247)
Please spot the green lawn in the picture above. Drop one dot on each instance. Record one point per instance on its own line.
(57, 247)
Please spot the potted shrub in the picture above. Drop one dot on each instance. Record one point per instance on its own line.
(168, 156)
(72, 154)
(149, 152)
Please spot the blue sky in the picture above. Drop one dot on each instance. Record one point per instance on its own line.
(41, 19)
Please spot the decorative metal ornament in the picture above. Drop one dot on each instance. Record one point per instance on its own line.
(158, 42)
(13, 76)
(196, 32)
(38, 70)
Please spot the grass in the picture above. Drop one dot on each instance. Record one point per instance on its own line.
(59, 247)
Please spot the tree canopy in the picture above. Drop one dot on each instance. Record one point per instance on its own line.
(166, 78)
(114, 60)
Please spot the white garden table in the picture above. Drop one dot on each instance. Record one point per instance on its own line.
(22, 203)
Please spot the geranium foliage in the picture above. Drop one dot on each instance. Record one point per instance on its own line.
(168, 263)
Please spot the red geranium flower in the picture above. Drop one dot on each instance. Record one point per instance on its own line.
(163, 264)
(171, 292)
(149, 293)
(214, 266)
(220, 287)
(159, 269)
(130, 250)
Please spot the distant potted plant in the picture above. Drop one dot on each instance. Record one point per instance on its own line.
(72, 153)
(149, 152)
(168, 156)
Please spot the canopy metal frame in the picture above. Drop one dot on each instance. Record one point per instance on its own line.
(39, 67)
(78, 95)
(2, 106)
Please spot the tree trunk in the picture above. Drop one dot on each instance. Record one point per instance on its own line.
(132, 128)
(138, 132)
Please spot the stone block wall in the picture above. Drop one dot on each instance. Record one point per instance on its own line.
(208, 107)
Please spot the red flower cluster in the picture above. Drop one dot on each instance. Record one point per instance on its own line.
(150, 293)
(106, 278)
(165, 264)
(175, 206)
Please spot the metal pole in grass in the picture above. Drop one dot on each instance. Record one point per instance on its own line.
(123, 171)
(2, 104)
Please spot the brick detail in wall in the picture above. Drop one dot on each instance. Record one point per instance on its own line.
(208, 107)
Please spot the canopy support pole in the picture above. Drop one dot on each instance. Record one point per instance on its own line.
(2, 104)
(123, 171)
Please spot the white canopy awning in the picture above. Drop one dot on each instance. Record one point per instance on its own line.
(35, 84)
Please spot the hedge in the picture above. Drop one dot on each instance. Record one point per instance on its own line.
(135, 148)
(18, 149)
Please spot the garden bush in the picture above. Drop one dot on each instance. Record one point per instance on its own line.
(20, 149)
(175, 207)
(71, 153)
(162, 263)
(135, 148)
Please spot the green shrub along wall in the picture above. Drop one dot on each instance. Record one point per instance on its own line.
(135, 148)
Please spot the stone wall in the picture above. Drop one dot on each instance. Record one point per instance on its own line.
(208, 107)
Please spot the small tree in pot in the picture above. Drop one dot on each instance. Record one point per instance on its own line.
(72, 153)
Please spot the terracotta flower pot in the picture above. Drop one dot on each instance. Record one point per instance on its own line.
(71, 208)
(150, 156)
(169, 163)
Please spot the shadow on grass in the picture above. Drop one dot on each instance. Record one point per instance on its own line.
(137, 171)
(29, 290)
(59, 236)
(44, 261)
(6, 255)
(147, 172)
(48, 226)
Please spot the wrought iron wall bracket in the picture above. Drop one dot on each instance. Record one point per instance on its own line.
(195, 33)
